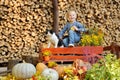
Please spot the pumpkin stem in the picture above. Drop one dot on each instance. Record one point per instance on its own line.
(24, 61)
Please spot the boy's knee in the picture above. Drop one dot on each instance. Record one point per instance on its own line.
(71, 31)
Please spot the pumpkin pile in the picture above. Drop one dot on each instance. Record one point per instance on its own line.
(50, 71)
(27, 71)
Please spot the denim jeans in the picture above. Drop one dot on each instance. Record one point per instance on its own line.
(72, 38)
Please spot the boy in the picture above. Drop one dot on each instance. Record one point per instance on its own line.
(74, 28)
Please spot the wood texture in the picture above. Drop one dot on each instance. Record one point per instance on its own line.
(73, 53)
(23, 23)
(55, 16)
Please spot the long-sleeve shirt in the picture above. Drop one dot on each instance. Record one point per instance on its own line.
(68, 26)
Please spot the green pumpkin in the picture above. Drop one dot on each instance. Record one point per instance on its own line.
(23, 70)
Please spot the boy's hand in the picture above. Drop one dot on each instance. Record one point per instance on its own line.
(74, 28)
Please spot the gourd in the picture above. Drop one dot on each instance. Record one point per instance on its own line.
(60, 70)
(40, 67)
(23, 70)
(50, 74)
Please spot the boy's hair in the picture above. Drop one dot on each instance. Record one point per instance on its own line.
(71, 11)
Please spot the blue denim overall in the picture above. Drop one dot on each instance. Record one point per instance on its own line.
(73, 36)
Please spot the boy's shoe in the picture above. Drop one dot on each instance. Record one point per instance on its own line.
(71, 45)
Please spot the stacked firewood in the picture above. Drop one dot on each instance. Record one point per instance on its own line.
(22, 27)
(23, 22)
(95, 13)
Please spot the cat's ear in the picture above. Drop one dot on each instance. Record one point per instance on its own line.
(47, 30)
(51, 31)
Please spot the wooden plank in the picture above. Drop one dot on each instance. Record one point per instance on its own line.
(73, 57)
(68, 57)
(64, 50)
(60, 61)
(4, 71)
(76, 50)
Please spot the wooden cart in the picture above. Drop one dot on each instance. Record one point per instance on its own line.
(68, 54)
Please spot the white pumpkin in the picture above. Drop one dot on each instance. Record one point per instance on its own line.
(51, 74)
(23, 70)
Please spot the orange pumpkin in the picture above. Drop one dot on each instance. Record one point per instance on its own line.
(60, 70)
(40, 67)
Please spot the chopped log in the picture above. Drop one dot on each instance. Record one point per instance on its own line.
(23, 22)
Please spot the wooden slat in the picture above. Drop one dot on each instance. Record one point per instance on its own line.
(76, 50)
(60, 61)
(72, 57)
(68, 57)
(64, 50)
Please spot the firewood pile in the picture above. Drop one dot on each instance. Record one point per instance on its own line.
(23, 22)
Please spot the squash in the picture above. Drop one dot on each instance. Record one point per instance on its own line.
(23, 70)
(60, 70)
(40, 67)
(50, 74)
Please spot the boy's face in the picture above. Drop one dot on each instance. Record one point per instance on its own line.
(72, 16)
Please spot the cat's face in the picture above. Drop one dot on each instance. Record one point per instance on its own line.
(49, 32)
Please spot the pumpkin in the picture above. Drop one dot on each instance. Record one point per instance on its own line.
(23, 70)
(40, 67)
(60, 70)
(50, 74)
